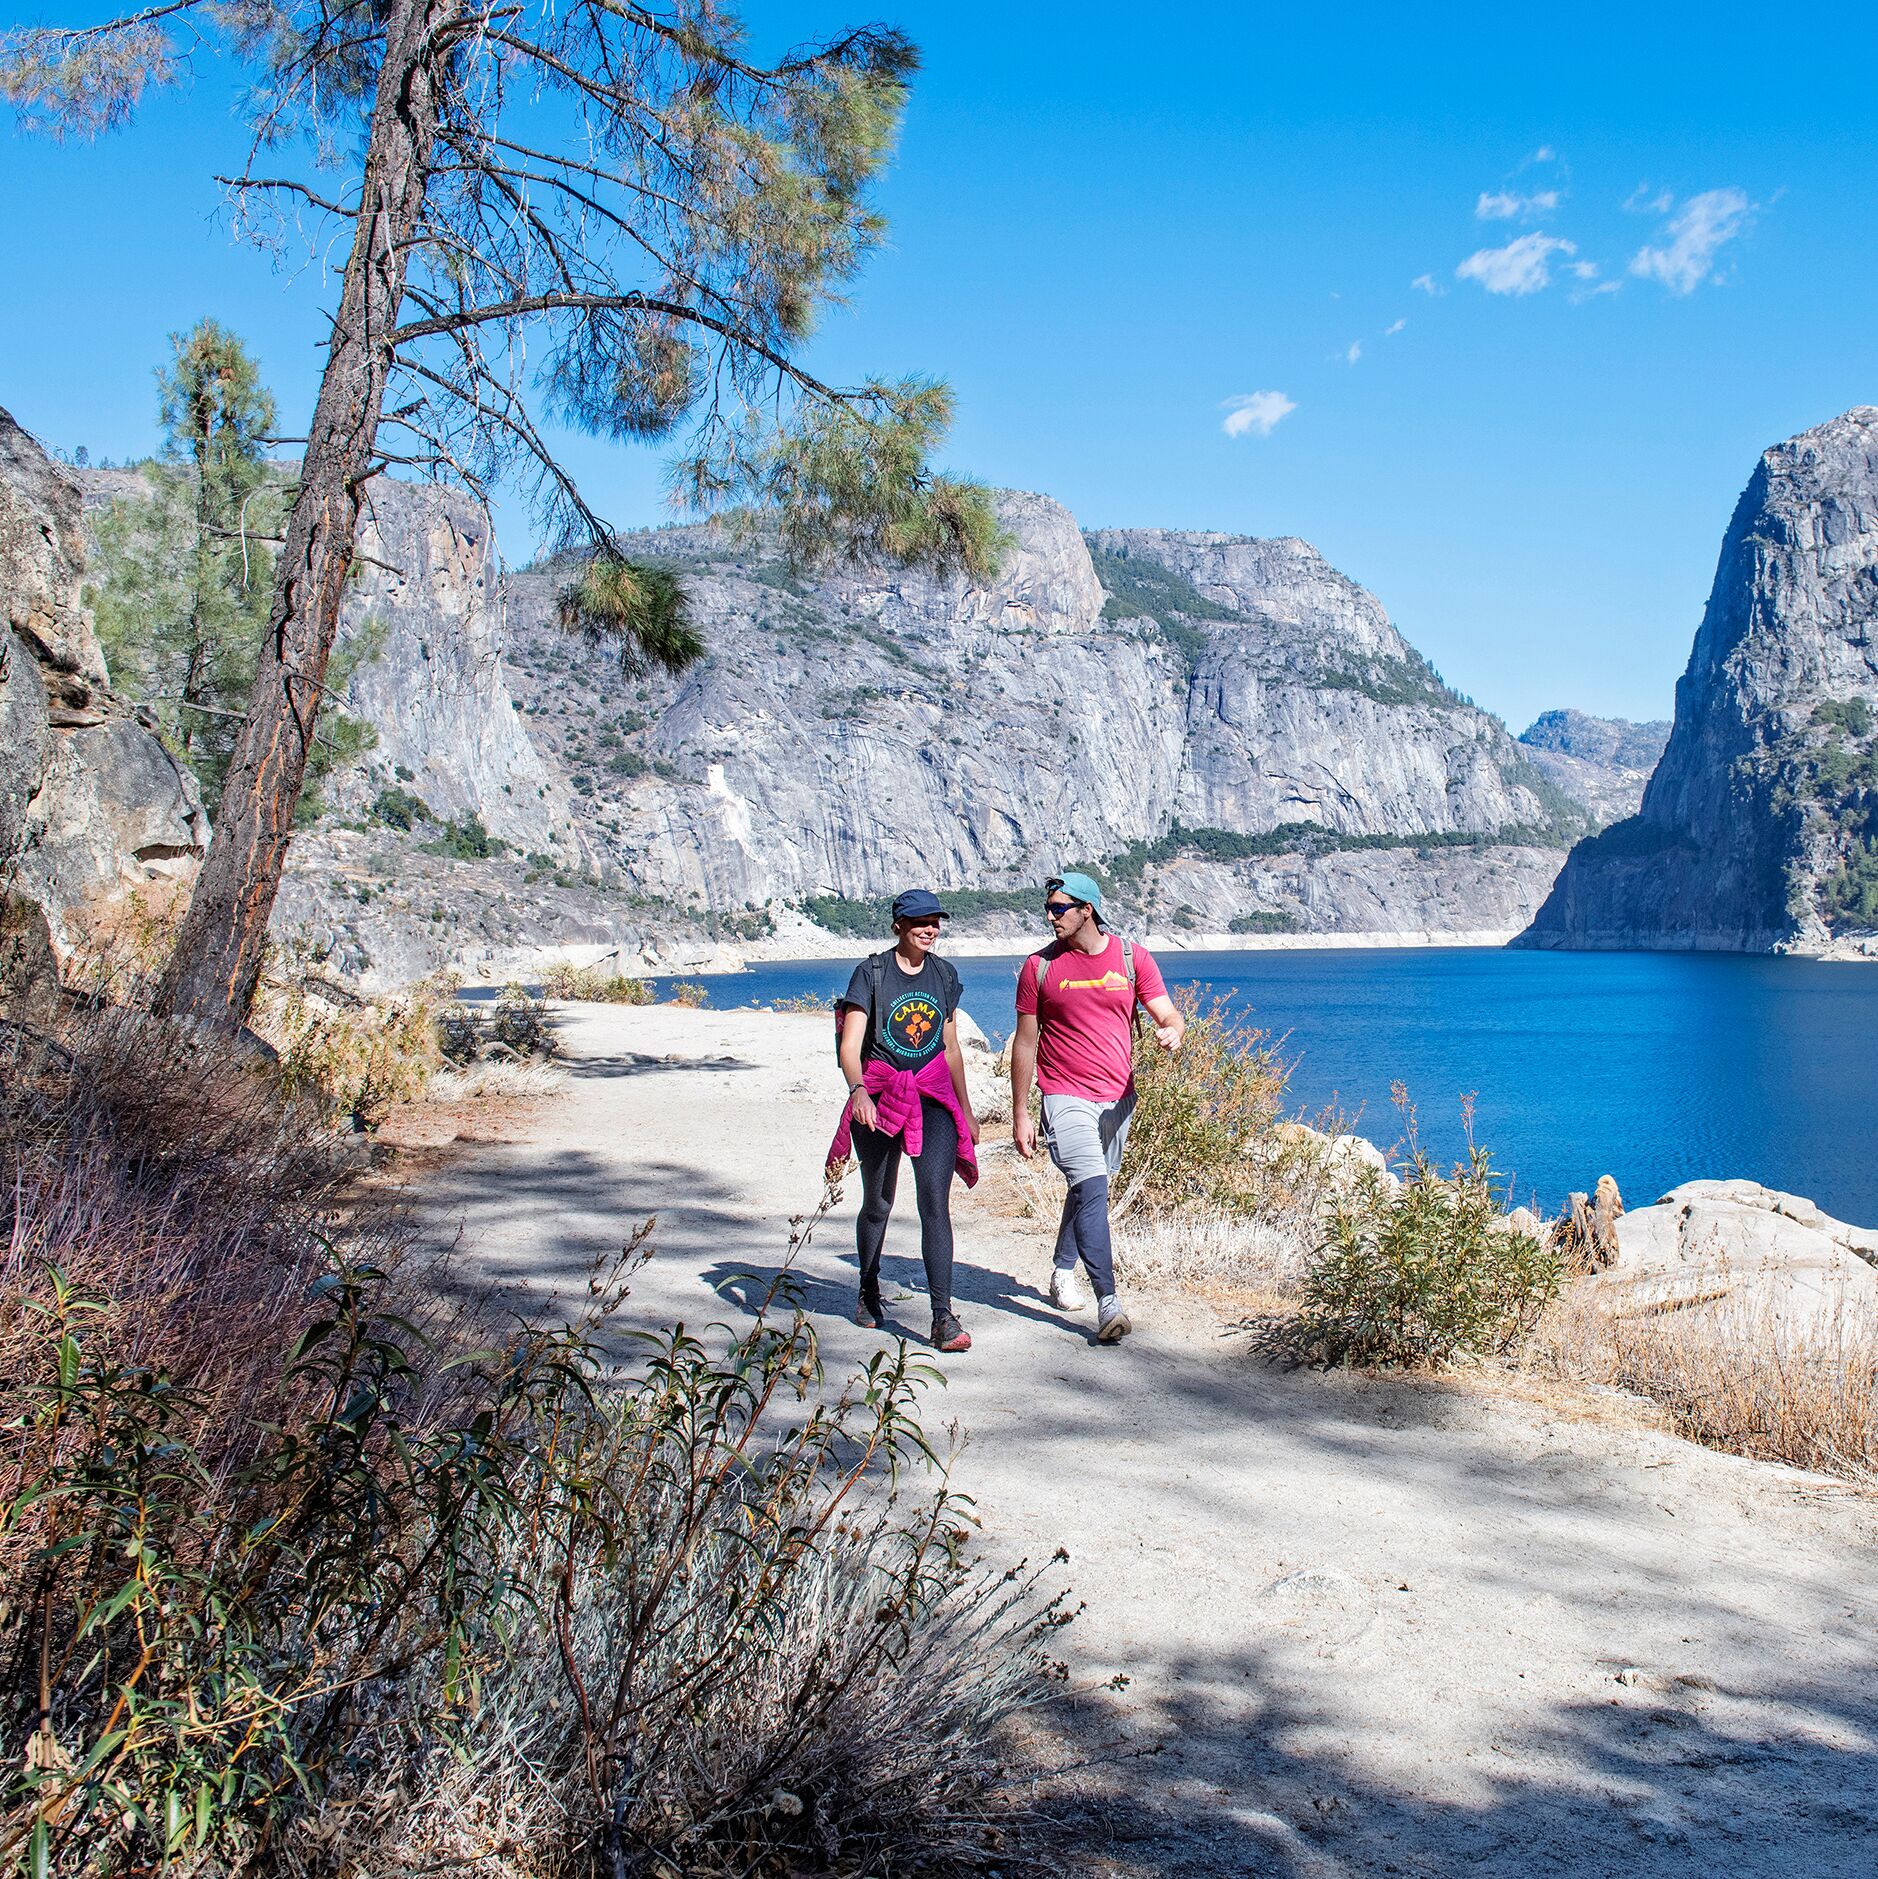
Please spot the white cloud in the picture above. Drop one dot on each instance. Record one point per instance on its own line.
(1258, 412)
(1521, 267)
(1355, 352)
(1544, 154)
(1503, 205)
(1389, 332)
(1585, 270)
(1643, 200)
(1428, 284)
(1692, 238)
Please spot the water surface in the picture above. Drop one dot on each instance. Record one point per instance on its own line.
(1654, 1067)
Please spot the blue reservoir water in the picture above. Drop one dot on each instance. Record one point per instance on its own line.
(1654, 1067)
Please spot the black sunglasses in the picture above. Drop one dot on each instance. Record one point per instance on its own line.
(1056, 909)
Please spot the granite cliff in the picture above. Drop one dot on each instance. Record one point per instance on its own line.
(92, 806)
(1229, 727)
(1756, 831)
(1603, 762)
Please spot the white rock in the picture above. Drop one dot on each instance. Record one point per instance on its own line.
(1738, 1246)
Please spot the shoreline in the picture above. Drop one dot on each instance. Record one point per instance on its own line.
(727, 957)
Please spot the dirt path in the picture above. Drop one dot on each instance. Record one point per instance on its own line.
(1373, 1628)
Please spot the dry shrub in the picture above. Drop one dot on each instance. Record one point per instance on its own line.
(305, 1578)
(689, 993)
(1736, 1373)
(1265, 1252)
(1204, 1135)
(594, 985)
(496, 1079)
(352, 1057)
(811, 1004)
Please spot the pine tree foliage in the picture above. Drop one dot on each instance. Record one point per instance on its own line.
(184, 572)
(596, 212)
(628, 227)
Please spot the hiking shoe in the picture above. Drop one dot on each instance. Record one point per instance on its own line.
(948, 1334)
(870, 1314)
(1112, 1323)
(1066, 1289)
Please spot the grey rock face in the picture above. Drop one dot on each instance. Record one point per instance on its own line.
(1603, 762)
(436, 692)
(42, 558)
(1752, 831)
(92, 807)
(847, 735)
(850, 733)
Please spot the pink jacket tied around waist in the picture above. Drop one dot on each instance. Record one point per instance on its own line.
(896, 1095)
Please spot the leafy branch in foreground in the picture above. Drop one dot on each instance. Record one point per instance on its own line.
(309, 1577)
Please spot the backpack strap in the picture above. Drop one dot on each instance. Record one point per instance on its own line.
(1128, 965)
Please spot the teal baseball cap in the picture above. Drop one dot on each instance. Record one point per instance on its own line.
(1077, 886)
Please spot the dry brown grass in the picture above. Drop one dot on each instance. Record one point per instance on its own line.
(1733, 1373)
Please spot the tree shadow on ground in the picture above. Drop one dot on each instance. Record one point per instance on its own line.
(1654, 1783)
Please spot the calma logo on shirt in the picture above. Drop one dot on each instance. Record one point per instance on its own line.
(911, 1022)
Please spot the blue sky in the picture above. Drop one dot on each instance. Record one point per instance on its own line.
(1170, 271)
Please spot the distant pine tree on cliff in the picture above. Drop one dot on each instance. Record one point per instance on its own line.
(185, 574)
(592, 212)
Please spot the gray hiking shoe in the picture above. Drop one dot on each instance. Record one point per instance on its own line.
(1066, 1289)
(1112, 1323)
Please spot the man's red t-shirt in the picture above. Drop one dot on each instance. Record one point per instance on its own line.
(1085, 1017)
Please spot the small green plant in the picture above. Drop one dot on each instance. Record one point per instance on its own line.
(398, 808)
(689, 993)
(1416, 1275)
(803, 1002)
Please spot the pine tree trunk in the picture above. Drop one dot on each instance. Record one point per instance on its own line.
(212, 973)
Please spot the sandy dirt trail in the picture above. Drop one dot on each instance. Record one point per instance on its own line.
(1371, 1627)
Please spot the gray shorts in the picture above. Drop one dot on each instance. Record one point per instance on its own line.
(1086, 1138)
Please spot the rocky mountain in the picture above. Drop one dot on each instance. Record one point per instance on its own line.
(92, 806)
(1756, 830)
(1603, 762)
(1229, 727)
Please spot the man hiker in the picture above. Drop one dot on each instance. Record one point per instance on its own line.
(1075, 1034)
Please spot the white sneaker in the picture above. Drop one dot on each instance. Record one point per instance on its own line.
(1112, 1323)
(1066, 1292)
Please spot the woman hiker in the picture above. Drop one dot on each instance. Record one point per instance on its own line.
(907, 1095)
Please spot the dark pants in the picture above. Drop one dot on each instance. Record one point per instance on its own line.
(1084, 1229)
(933, 1168)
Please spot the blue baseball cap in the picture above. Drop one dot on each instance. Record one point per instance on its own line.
(1077, 887)
(918, 903)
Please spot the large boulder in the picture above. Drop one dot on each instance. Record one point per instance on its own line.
(1735, 1246)
(93, 808)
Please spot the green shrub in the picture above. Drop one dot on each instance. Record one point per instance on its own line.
(467, 840)
(1264, 920)
(399, 809)
(1419, 1275)
(690, 994)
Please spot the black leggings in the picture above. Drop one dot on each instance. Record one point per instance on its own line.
(933, 1168)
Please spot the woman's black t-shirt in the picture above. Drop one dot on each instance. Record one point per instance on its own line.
(906, 1011)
